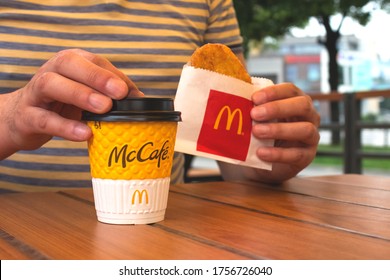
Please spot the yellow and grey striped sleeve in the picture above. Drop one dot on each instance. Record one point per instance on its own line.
(149, 40)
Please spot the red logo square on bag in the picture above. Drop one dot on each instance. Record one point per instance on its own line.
(227, 126)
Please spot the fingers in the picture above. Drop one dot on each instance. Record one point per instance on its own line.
(92, 71)
(297, 156)
(299, 108)
(303, 132)
(296, 143)
(276, 92)
(284, 113)
(45, 122)
(46, 88)
(283, 102)
(77, 68)
(51, 103)
(104, 63)
(82, 79)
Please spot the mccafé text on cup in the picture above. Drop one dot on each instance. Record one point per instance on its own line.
(131, 153)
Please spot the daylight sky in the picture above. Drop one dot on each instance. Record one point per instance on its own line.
(373, 33)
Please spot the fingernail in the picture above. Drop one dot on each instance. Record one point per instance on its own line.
(262, 130)
(81, 131)
(259, 113)
(259, 98)
(117, 88)
(135, 92)
(263, 153)
(96, 101)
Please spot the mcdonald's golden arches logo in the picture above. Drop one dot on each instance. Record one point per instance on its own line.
(140, 195)
(230, 117)
(227, 126)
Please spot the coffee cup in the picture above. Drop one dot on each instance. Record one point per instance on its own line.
(131, 154)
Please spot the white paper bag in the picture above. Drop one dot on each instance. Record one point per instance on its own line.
(216, 120)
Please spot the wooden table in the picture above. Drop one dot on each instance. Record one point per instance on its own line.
(327, 217)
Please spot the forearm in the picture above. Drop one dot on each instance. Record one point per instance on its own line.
(7, 146)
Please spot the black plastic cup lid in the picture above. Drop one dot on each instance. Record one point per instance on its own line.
(138, 109)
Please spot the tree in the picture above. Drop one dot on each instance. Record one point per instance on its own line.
(261, 18)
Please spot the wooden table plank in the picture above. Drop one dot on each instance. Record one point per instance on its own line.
(338, 189)
(340, 192)
(9, 250)
(267, 236)
(367, 181)
(325, 217)
(274, 201)
(63, 228)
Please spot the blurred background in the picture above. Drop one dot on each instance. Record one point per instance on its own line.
(337, 51)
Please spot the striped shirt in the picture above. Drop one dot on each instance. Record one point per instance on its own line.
(149, 40)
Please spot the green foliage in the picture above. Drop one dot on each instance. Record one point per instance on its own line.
(368, 163)
(370, 117)
(259, 19)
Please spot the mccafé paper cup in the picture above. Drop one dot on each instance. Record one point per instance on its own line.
(131, 154)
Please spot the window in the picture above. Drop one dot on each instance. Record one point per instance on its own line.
(292, 73)
(313, 72)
